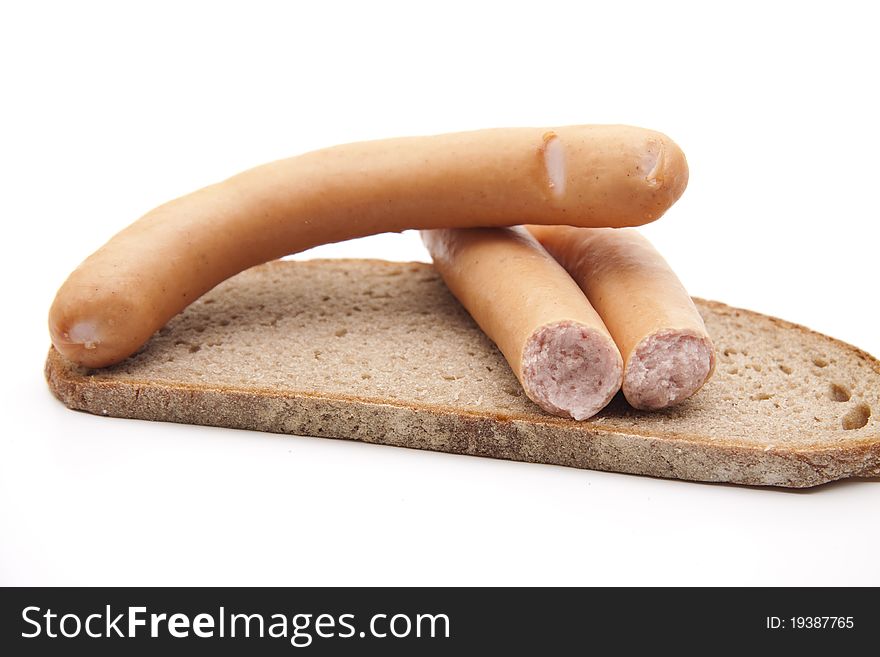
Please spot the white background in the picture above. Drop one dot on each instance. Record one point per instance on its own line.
(108, 110)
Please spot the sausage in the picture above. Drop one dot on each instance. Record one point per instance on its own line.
(585, 175)
(667, 353)
(555, 343)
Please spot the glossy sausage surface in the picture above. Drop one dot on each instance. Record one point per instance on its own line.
(553, 340)
(578, 175)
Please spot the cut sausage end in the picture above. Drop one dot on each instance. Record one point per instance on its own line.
(571, 370)
(666, 368)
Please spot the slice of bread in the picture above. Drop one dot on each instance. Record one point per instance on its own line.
(381, 352)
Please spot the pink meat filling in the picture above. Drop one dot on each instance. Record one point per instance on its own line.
(666, 368)
(571, 370)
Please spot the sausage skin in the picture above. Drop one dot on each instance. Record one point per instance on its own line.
(555, 343)
(667, 353)
(584, 175)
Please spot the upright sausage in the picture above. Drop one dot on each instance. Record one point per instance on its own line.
(585, 175)
(666, 350)
(555, 343)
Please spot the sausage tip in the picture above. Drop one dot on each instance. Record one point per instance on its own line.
(652, 165)
(669, 172)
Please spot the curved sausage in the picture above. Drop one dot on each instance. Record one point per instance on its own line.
(667, 353)
(555, 343)
(586, 175)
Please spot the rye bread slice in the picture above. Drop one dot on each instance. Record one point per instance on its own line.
(381, 352)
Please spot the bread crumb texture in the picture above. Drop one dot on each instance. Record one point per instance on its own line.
(381, 352)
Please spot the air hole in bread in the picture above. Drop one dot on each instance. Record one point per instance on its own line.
(729, 351)
(838, 393)
(341, 332)
(857, 417)
(785, 368)
(818, 361)
(761, 396)
(193, 348)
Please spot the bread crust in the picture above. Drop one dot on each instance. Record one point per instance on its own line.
(522, 436)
